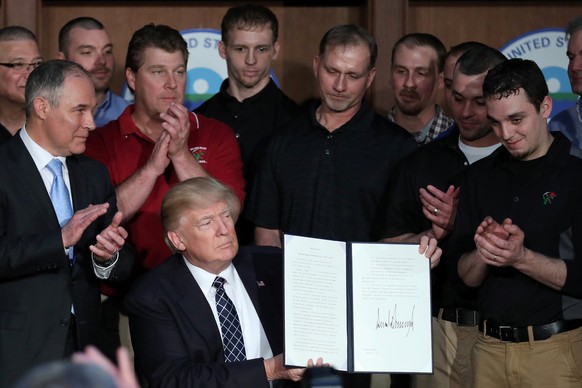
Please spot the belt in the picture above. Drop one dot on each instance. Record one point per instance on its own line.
(520, 334)
(460, 316)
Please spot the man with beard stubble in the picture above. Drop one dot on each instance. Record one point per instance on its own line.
(416, 79)
(85, 41)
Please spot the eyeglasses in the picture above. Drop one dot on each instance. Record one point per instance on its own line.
(22, 67)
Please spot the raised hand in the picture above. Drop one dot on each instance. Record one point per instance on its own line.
(110, 240)
(176, 122)
(440, 208)
(73, 230)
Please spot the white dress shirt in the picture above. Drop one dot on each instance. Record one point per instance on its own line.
(256, 342)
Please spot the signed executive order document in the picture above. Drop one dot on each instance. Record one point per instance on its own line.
(363, 307)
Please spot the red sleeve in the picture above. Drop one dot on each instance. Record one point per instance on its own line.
(224, 159)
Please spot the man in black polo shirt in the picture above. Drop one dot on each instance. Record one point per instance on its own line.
(423, 204)
(324, 174)
(518, 235)
(248, 100)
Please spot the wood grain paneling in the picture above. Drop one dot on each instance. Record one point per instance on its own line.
(491, 22)
(302, 25)
(300, 30)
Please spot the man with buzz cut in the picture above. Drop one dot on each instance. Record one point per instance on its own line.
(85, 41)
(249, 101)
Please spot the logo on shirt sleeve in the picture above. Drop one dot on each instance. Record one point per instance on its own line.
(199, 153)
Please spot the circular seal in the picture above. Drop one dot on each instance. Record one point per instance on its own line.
(546, 47)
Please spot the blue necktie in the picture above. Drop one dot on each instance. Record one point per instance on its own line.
(232, 338)
(60, 198)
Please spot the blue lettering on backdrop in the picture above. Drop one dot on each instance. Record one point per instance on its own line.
(546, 47)
(211, 43)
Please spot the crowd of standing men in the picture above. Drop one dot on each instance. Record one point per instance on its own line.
(166, 222)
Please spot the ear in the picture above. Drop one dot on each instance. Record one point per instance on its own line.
(41, 107)
(130, 77)
(176, 241)
(276, 47)
(546, 107)
(61, 55)
(441, 80)
(316, 60)
(222, 50)
(371, 76)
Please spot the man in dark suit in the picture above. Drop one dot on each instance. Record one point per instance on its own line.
(177, 328)
(50, 263)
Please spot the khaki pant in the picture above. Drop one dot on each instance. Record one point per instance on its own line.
(555, 362)
(452, 347)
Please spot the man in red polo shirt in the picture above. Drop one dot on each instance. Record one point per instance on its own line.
(157, 142)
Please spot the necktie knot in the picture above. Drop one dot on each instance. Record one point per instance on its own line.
(218, 282)
(55, 167)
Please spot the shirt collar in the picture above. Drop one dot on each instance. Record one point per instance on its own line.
(205, 279)
(127, 125)
(259, 97)
(362, 120)
(557, 154)
(106, 101)
(40, 156)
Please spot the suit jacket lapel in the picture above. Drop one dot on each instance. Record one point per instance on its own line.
(246, 271)
(268, 308)
(79, 193)
(26, 175)
(195, 307)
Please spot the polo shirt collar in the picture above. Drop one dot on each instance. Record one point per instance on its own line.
(361, 121)
(557, 154)
(257, 98)
(127, 125)
(106, 101)
(451, 139)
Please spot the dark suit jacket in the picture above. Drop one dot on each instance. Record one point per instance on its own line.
(37, 285)
(174, 334)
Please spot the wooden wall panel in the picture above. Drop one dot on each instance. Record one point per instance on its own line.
(21, 12)
(388, 22)
(491, 22)
(303, 30)
(300, 29)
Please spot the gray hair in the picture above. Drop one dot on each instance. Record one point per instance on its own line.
(16, 33)
(47, 81)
